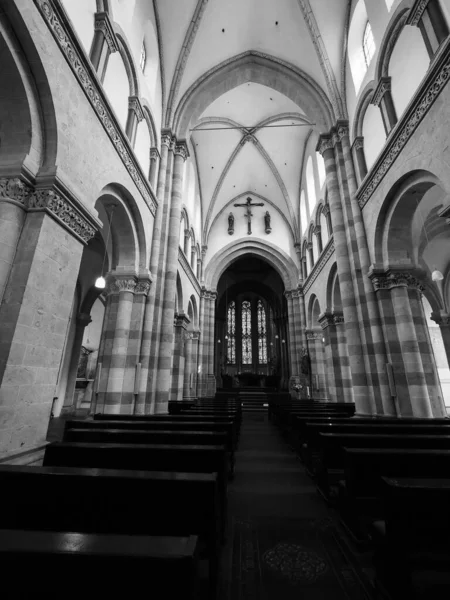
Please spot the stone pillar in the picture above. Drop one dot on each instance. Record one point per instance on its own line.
(148, 345)
(428, 16)
(193, 252)
(135, 116)
(82, 321)
(202, 349)
(318, 233)
(202, 271)
(104, 44)
(211, 390)
(13, 198)
(187, 235)
(359, 158)
(168, 308)
(443, 320)
(115, 394)
(294, 363)
(155, 159)
(179, 362)
(382, 97)
(316, 352)
(409, 348)
(35, 311)
(195, 363)
(367, 306)
(326, 211)
(346, 393)
(362, 395)
(188, 387)
(311, 254)
(199, 267)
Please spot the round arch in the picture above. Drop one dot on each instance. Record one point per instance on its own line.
(258, 68)
(279, 260)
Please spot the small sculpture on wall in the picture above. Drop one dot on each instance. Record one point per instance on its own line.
(231, 223)
(267, 222)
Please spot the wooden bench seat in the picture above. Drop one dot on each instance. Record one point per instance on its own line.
(115, 566)
(114, 501)
(413, 536)
(127, 436)
(330, 464)
(144, 457)
(358, 493)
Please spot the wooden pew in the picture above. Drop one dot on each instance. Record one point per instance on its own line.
(159, 425)
(358, 493)
(330, 465)
(127, 436)
(413, 536)
(115, 502)
(144, 457)
(81, 565)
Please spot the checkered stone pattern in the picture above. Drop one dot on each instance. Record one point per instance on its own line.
(294, 345)
(179, 362)
(341, 359)
(316, 351)
(332, 362)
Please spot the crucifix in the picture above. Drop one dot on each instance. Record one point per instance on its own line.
(249, 214)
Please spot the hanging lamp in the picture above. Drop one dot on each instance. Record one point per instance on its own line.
(100, 282)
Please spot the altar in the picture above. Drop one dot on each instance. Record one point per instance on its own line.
(251, 379)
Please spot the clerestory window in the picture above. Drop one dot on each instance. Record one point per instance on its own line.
(143, 58)
(368, 44)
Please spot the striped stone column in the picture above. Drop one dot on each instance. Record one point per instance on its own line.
(362, 396)
(369, 313)
(300, 338)
(398, 292)
(189, 368)
(179, 361)
(144, 398)
(316, 352)
(202, 350)
(159, 284)
(211, 391)
(181, 153)
(294, 363)
(13, 197)
(332, 367)
(342, 359)
(118, 396)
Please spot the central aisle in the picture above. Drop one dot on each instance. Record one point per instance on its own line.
(282, 541)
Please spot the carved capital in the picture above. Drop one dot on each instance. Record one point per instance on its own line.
(325, 320)
(204, 251)
(325, 143)
(313, 335)
(102, 23)
(135, 105)
(317, 230)
(416, 12)
(387, 280)
(154, 154)
(441, 319)
(384, 85)
(181, 149)
(166, 138)
(143, 287)
(63, 210)
(182, 320)
(309, 246)
(342, 129)
(195, 335)
(118, 284)
(326, 209)
(358, 144)
(338, 318)
(14, 189)
(288, 294)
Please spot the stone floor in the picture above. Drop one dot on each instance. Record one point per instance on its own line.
(283, 541)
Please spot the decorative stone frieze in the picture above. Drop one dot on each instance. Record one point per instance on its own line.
(102, 23)
(416, 12)
(358, 144)
(313, 335)
(14, 189)
(81, 69)
(429, 90)
(324, 258)
(135, 105)
(63, 210)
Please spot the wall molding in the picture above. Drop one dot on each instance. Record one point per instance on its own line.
(327, 253)
(86, 76)
(183, 261)
(435, 81)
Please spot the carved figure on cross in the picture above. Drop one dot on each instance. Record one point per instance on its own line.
(249, 213)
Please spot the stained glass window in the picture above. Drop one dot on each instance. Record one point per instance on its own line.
(246, 333)
(262, 334)
(231, 333)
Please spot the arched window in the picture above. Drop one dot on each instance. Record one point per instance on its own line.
(262, 334)
(389, 4)
(143, 58)
(321, 169)
(247, 358)
(310, 186)
(368, 44)
(231, 333)
(303, 214)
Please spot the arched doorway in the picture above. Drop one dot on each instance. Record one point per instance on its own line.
(251, 326)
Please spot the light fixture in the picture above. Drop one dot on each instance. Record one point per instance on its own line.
(437, 275)
(219, 341)
(323, 340)
(100, 282)
(283, 341)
